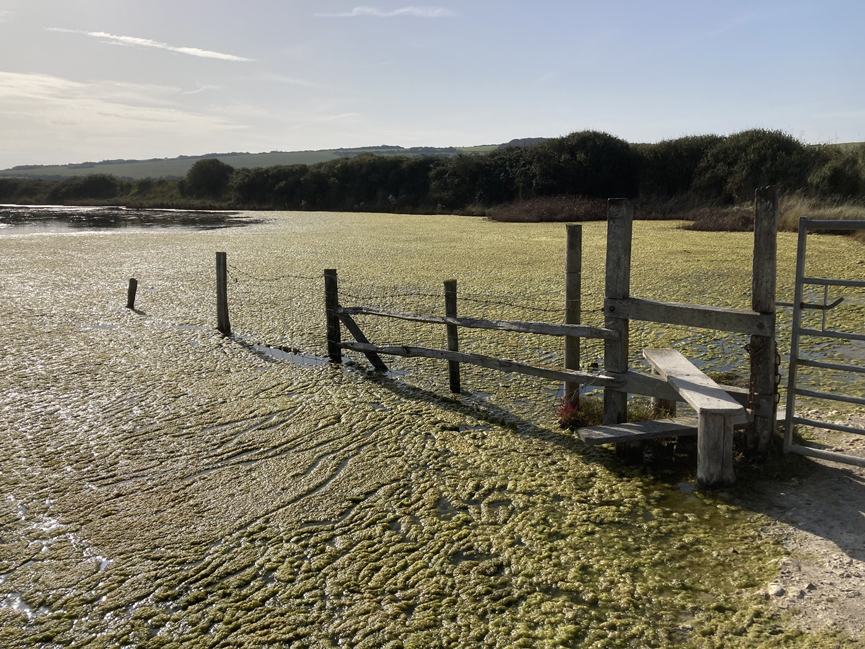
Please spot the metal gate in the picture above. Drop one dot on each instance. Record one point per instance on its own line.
(799, 305)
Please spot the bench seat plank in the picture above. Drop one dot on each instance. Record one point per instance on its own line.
(640, 430)
(644, 430)
(698, 390)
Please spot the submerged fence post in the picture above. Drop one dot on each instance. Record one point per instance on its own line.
(331, 304)
(573, 297)
(453, 336)
(620, 217)
(222, 323)
(130, 293)
(763, 370)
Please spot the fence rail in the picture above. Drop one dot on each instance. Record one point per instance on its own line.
(542, 328)
(500, 364)
(616, 378)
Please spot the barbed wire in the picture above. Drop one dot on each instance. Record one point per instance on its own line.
(234, 270)
(527, 307)
(421, 297)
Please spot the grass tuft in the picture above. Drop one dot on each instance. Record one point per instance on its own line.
(552, 209)
(720, 219)
(794, 206)
(590, 412)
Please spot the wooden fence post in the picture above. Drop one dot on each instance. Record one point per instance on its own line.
(331, 304)
(715, 451)
(763, 348)
(620, 217)
(573, 297)
(130, 293)
(222, 323)
(453, 336)
(665, 407)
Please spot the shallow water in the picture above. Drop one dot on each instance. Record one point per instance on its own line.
(163, 484)
(62, 219)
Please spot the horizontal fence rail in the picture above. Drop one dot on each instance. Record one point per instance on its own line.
(542, 328)
(830, 366)
(813, 224)
(829, 397)
(690, 315)
(819, 281)
(829, 425)
(831, 334)
(826, 455)
(501, 364)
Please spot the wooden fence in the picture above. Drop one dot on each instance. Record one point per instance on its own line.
(617, 379)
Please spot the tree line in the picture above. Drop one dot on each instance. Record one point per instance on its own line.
(694, 170)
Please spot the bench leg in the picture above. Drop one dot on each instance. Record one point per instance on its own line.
(715, 451)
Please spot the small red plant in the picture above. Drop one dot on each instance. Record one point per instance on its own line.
(570, 415)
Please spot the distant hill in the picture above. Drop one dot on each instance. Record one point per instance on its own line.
(178, 167)
(526, 141)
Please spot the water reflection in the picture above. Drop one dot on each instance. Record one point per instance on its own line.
(51, 219)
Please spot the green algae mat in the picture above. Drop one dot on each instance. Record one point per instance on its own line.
(164, 486)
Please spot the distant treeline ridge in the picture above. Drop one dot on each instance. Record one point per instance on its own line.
(695, 170)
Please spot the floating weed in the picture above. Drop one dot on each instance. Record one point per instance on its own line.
(309, 506)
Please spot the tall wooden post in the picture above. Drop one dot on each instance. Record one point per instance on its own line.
(573, 297)
(453, 336)
(222, 323)
(130, 293)
(763, 370)
(620, 218)
(331, 304)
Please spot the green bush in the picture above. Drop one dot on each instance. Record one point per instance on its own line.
(587, 163)
(733, 169)
(208, 178)
(842, 175)
(667, 169)
(99, 186)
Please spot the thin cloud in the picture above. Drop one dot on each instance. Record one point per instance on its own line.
(201, 89)
(6, 15)
(52, 118)
(146, 42)
(416, 12)
(292, 81)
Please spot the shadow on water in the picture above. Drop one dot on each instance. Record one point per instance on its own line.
(781, 490)
(278, 354)
(17, 219)
(483, 410)
(826, 500)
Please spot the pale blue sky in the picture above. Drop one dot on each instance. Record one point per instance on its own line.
(102, 79)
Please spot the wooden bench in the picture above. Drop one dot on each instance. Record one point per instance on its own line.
(717, 415)
(715, 412)
(639, 431)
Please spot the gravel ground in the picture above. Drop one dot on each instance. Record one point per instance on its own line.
(820, 519)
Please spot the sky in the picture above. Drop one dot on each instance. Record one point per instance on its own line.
(90, 80)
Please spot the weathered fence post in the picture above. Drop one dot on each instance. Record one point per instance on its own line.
(331, 304)
(573, 297)
(222, 323)
(620, 217)
(763, 348)
(130, 293)
(715, 451)
(453, 336)
(665, 407)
